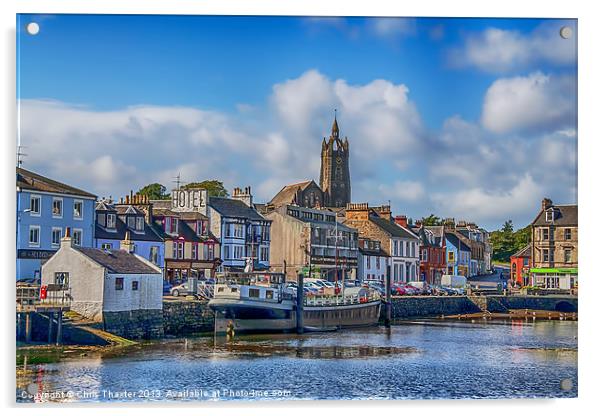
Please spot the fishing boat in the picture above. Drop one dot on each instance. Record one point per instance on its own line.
(263, 302)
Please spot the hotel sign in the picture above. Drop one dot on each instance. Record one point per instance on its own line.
(34, 254)
(187, 200)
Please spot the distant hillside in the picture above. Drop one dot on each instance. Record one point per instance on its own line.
(505, 241)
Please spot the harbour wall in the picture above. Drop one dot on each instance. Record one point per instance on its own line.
(425, 306)
(181, 317)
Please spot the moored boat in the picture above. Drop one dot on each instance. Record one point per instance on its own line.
(261, 302)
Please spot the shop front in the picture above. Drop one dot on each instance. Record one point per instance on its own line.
(554, 278)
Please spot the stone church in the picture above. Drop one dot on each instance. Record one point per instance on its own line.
(334, 190)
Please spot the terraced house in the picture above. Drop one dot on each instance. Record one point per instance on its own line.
(45, 209)
(312, 242)
(397, 241)
(243, 233)
(554, 250)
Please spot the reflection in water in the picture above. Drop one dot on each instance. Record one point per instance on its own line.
(417, 360)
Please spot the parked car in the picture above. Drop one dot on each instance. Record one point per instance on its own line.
(398, 290)
(184, 288)
(166, 287)
(411, 290)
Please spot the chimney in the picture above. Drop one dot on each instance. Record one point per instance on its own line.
(67, 241)
(358, 212)
(384, 211)
(243, 195)
(546, 203)
(127, 244)
(401, 220)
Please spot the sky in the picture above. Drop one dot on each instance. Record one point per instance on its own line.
(474, 119)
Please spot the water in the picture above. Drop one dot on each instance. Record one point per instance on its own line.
(418, 360)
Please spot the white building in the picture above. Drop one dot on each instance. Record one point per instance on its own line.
(372, 261)
(120, 289)
(243, 232)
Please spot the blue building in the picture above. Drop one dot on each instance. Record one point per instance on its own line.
(115, 222)
(457, 255)
(243, 232)
(45, 208)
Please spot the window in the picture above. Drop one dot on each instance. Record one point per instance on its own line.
(57, 233)
(106, 246)
(131, 222)
(77, 237)
(35, 201)
(567, 233)
(34, 235)
(226, 252)
(367, 262)
(195, 251)
(378, 262)
(134, 285)
(57, 207)
(545, 234)
(178, 250)
(264, 255)
(111, 218)
(101, 219)
(451, 258)
(253, 293)
(62, 279)
(546, 254)
(395, 248)
(227, 230)
(567, 255)
(139, 223)
(210, 254)
(119, 283)
(550, 216)
(171, 225)
(154, 255)
(78, 209)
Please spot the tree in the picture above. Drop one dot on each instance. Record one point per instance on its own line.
(213, 187)
(505, 241)
(432, 220)
(154, 191)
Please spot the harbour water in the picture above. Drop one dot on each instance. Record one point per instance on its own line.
(429, 359)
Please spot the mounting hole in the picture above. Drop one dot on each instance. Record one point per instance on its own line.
(566, 32)
(33, 28)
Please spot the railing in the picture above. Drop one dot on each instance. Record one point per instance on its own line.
(56, 296)
(341, 300)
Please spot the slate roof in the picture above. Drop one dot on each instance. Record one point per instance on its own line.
(148, 234)
(234, 208)
(393, 229)
(523, 252)
(117, 261)
(35, 182)
(564, 215)
(287, 194)
(456, 241)
(184, 231)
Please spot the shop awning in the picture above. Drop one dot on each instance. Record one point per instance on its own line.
(549, 270)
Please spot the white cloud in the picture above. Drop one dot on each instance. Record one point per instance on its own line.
(534, 102)
(497, 50)
(392, 27)
(410, 191)
(487, 205)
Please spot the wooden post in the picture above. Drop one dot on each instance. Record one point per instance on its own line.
(300, 299)
(27, 327)
(19, 324)
(50, 327)
(388, 297)
(59, 328)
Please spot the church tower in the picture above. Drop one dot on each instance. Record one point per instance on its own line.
(335, 180)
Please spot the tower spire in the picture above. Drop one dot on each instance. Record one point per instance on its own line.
(335, 126)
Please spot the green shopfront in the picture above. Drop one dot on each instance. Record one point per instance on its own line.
(554, 278)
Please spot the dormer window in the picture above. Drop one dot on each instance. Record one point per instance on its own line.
(139, 223)
(171, 225)
(550, 216)
(111, 218)
(132, 222)
(101, 218)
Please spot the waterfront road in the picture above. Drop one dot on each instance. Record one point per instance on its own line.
(488, 280)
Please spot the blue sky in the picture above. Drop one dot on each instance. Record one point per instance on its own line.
(451, 116)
